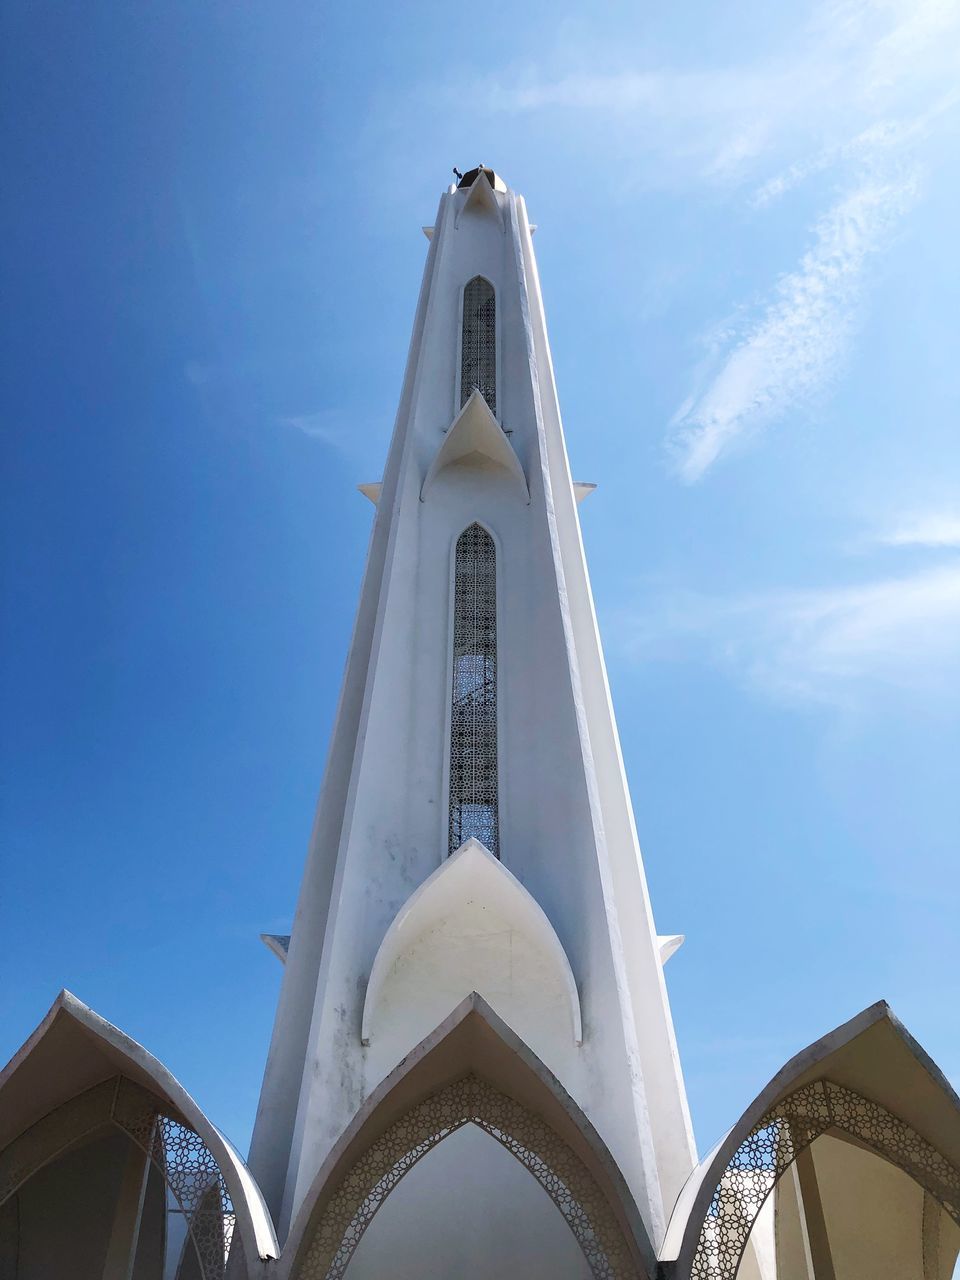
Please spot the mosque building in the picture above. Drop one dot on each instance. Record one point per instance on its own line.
(473, 1072)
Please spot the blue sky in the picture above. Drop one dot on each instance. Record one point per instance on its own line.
(747, 239)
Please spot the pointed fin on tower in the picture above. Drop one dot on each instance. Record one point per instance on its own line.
(668, 944)
(481, 198)
(474, 436)
(371, 491)
(278, 943)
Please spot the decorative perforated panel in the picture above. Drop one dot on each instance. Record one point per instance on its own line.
(473, 718)
(478, 342)
(194, 1182)
(776, 1141)
(554, 1164)
(197, 1194)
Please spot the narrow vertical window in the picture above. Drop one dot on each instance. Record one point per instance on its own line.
(478, 342)
(473, 721)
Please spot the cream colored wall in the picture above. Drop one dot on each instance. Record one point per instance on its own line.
(873, 1213)
(468, 1210)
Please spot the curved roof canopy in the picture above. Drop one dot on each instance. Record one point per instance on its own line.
(874, 1056)
(74, 1049)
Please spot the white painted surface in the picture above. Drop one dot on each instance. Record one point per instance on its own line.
(468, 1210)
(479, 198)
(475, 439)
(669, 944)
(566, 826)
(471, 926)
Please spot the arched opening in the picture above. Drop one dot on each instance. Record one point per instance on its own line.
(475, 1080)
(834, 1174)
(114, 1183)
(525, 1135)
(184, 1194)
(468, 1210)
(478, 342)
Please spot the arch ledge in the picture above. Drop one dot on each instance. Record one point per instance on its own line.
(481, 195)
(470, 874)
(475, 433)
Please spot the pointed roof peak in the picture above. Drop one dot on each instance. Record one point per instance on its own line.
(481, 197)
(481, 171)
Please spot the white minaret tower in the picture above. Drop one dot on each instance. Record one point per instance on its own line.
(474, 831)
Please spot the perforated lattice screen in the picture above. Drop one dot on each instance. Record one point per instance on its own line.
(478, 346)
(200, 1217)
(559, 1170)
(776, 1141)
(473, 719)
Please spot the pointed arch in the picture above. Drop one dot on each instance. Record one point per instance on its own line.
(471, 1070)
(78, 1073)
(481, 197)
(868, 1081)
(475, 437)
(478, 341)
(470, 873)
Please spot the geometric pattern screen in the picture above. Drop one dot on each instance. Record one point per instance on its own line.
(774, 1143)
(478, 343)
(200, 1220)
(365, 1187)
(473, 719)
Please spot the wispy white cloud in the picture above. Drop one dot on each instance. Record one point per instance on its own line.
(800, 337)
(836, 646)
(928, 529)
(324, 425)
(900, 57)
(711, 124)
(885, 138)
(856, 64)
(919, 42)
(857, 93)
